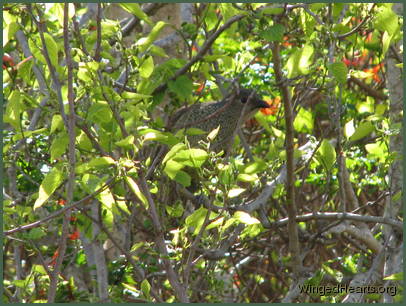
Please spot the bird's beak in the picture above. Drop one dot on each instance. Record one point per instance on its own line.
(263, 104)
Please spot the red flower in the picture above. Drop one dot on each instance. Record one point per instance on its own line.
(54, 257)
(74, 235)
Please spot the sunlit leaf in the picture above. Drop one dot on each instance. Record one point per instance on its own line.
(48, 186)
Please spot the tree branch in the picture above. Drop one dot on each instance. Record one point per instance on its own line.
(294, 246)
(54, 277)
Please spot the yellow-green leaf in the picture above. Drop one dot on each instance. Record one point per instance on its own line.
(134, 187)
(48, 186)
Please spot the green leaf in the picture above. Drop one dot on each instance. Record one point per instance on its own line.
(100, 112)
(299, 62)
(303, 122)
(131, 288)
(366, 106)
(176, 210)
(107, 200)
(194, 131)
(213, 134)
(52, 48)
(39, 269)
(56, 123)
(10, 27)
(135, 9)
(134, 187)
(339, 70)
(191, 157)
(182, 87)
(172, 152)
(145, 42)
(386, 41)
(58, 11)
(247, 177)
(36, 233)
(83, 142)
(326, 154)
(255, 167)
(349, 128)
(183, 178)
(158, 51)
(235, 192)
(397, 276)
(245, 218)
(147, 67)
(196, 219)
(126, 143)
(101, 162)
(216, 223)
(14, 108)
(146, 288)
(272, 11)
(162, 137)
(59, 145)
(386, 20)
(377, 150)
(364, 129)
(273, 33)
(172, 168)
(49, 184)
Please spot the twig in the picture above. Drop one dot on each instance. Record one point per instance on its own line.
(61, 211)
(368, 90)
(43, 88)
(173, 277)
(138, 271)
(98, 41)
(55, 80)
(77, 30)
(193, 247)
(148, 9)
(358, 27)
(206, 46)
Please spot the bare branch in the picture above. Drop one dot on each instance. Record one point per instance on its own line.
(341, 216)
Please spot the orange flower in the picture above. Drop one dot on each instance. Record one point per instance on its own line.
(201, 87)
(374, 71)
(62, 202)
(286, 43)
(274, 106)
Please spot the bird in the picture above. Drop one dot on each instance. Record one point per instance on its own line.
(228, 115)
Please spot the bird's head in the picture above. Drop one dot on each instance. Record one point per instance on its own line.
(253, 99)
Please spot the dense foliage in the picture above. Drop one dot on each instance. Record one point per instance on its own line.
(98, 205)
